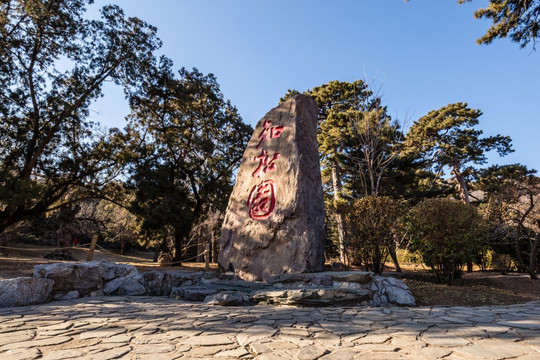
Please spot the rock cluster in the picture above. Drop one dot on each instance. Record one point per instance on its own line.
(64, 281)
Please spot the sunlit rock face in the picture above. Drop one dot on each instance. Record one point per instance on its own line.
(275, 217)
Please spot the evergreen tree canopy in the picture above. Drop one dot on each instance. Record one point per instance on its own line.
(53, 63)
(517, 19)
(446, 137)
(187, 143)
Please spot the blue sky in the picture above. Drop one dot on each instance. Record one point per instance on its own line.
(421, 54)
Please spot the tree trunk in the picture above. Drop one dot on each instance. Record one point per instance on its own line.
(336, 184)
(65, 228)
(532, 259)
(161, 247)
(200, 248)
(464, 191)
(178, 246)
(393, 255)
(214, 249)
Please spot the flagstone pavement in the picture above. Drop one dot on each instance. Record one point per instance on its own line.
(158, 328)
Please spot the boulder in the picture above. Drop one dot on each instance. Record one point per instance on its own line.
(395, 290)
(24, 291)
(154, 282)
(274, 222)
(132, 285)
(82, 277)
(173, 279)
(113, 270)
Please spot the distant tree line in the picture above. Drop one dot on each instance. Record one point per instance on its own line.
(164, 180)
(153, 182)
(423, 190)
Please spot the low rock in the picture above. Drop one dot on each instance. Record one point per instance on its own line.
(112, 271)
(154, 282)
(174, 279)
(312, 297)
(192, 293)
(70, 295)
(24, 291)
(228, 298)
(234, 285)
(395, 290)
(83, 277)
(324, 278)
(132, 286)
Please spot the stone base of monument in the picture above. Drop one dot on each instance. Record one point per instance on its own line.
(74, 280)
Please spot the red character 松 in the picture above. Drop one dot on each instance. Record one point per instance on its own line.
(265, 163)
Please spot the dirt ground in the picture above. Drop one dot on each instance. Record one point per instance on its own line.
(475, 289)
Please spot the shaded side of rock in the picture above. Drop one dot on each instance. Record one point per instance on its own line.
(112, 270)
(24, 291)
(324, 278)
(83, 277)
(174, 279)
(154, 282)
(132, 286)
(192, 293)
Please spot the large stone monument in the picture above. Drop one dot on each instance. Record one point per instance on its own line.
(275, 217)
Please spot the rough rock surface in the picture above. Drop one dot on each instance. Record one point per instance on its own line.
(275, 217)
(23, 291)
(324, 278)
(305, 289)
(313, 297)
(395, 290)
(82, 277)
(228, 298)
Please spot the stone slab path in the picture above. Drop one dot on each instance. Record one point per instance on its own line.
(161, 328)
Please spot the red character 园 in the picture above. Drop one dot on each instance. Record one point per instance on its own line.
(262, 200)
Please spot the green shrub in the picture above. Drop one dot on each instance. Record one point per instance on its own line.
(372, 224)
(405, 256)
(447, 233)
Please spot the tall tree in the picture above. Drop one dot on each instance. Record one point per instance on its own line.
(517, 19)
(513, 208)
(48, 147)
(447, 138)
(335, 101)
(188, 142)
(357, 144)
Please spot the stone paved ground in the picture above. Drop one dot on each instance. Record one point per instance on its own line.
(160, 328)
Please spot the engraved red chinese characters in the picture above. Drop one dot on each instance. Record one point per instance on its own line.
(268, 131)
(262, 200)
(265, 163)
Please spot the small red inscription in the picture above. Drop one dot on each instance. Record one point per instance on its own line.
(262, 200)
(269, 131)
(265, 163)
